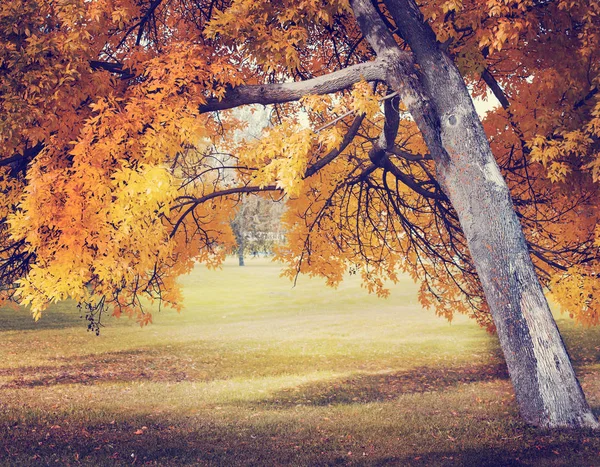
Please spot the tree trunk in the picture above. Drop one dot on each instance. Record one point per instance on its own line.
(241, 246)
(546, 387)
(547, 390)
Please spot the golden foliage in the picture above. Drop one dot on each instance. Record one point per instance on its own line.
(116, 182)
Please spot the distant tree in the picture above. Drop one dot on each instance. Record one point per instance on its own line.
(257, 226)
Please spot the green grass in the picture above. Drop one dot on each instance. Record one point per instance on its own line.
(255, 372)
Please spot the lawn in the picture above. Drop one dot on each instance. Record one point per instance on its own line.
(256, 372)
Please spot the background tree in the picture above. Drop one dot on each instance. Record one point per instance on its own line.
(111, 111)
(257, 226)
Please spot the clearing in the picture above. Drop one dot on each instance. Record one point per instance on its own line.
(255, 372)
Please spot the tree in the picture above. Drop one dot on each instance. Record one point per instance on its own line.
(113, 110)
(256, 226)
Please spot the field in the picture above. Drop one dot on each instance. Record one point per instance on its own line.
(255, 372)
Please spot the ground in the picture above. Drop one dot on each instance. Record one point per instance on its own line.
(255, 372)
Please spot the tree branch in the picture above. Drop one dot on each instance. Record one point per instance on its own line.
(587, 97)
(495, 87)
(392, 121)
(233, 191)
(408, 155)
(336, 152)
(11, 159)
(313, 169)
(279, 93)
(21, 160)
(116, 68)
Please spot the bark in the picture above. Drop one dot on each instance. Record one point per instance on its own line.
(547, 390)
(279, 93)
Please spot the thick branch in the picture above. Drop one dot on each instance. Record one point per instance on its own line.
(379, 153)
(495, 87)
(279, 93)
(373, 28)
(11, 159)
(587, 97)
(409, 156)
(19, 161)
(392, 121)
(336, 152)
(116, 68)
(153, 6)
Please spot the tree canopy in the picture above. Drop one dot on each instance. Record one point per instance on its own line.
(114, 122)
(118, 135)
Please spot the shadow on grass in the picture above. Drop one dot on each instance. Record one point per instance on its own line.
(582, 343)
(243, 443)
(553, 453)
(204, 361)
(120, 366)
(160, 365)
(61, 317)
(365, 388)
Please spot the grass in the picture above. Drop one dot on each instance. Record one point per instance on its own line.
(255, 372)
